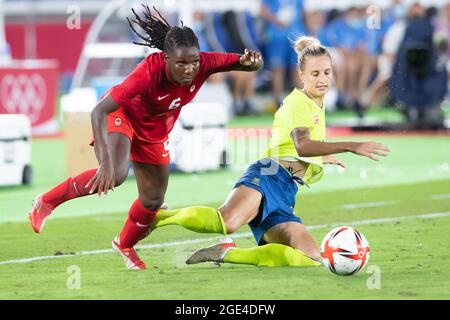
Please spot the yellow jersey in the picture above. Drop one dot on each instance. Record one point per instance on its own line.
(298, 110)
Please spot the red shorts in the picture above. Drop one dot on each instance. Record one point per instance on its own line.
(141, 151)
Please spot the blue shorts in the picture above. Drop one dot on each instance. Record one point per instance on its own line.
(278, 190)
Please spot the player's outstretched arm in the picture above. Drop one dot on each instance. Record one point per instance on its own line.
(249, 61)
(310, 148)
(104, 177)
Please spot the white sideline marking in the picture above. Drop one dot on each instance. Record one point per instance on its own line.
(352, 206)
(440, 196)
(239, 235)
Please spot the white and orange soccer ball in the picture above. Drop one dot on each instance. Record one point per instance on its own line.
(345, 251)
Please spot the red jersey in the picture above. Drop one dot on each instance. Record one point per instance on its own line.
(153, 102)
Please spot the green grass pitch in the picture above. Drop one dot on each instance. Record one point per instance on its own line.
(409, 253)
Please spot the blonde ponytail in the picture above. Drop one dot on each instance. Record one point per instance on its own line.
(308, 46)
(303, 42)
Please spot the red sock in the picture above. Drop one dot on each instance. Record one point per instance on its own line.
(137, 225)
(69, 189)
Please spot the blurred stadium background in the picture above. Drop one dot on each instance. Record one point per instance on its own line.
(58, 57)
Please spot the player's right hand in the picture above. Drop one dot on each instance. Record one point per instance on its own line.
(104, 178)
(370, 148)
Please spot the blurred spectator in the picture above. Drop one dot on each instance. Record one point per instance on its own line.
(445, 26)
(199, 27)
(353, 54)
(207, 40)
(241, 35)
(230, 32)
(442, 35)
(363, 57)
(284, 23)
(385, 43)
(418, 83)
(359, 62)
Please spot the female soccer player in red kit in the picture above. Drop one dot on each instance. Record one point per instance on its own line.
(132, 122)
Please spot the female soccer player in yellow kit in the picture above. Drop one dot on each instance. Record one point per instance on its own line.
(264, 196)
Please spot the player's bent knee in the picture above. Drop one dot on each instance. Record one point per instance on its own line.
(231, 228)
(120, 178)
(231, 224)
(232, 218)
(152, 203)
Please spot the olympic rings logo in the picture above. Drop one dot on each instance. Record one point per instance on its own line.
(24, 94)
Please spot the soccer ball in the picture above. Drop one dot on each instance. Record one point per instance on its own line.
(344, 251)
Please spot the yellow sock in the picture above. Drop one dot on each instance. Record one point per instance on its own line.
(198, 219)
(270, 255)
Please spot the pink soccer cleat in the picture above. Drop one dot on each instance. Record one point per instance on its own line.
(214, 253)
(129, 255)
(39, 213)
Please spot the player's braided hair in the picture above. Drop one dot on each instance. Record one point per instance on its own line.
(159, 34)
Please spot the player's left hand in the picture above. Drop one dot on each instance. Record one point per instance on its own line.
(251, 59)
(333, 160)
